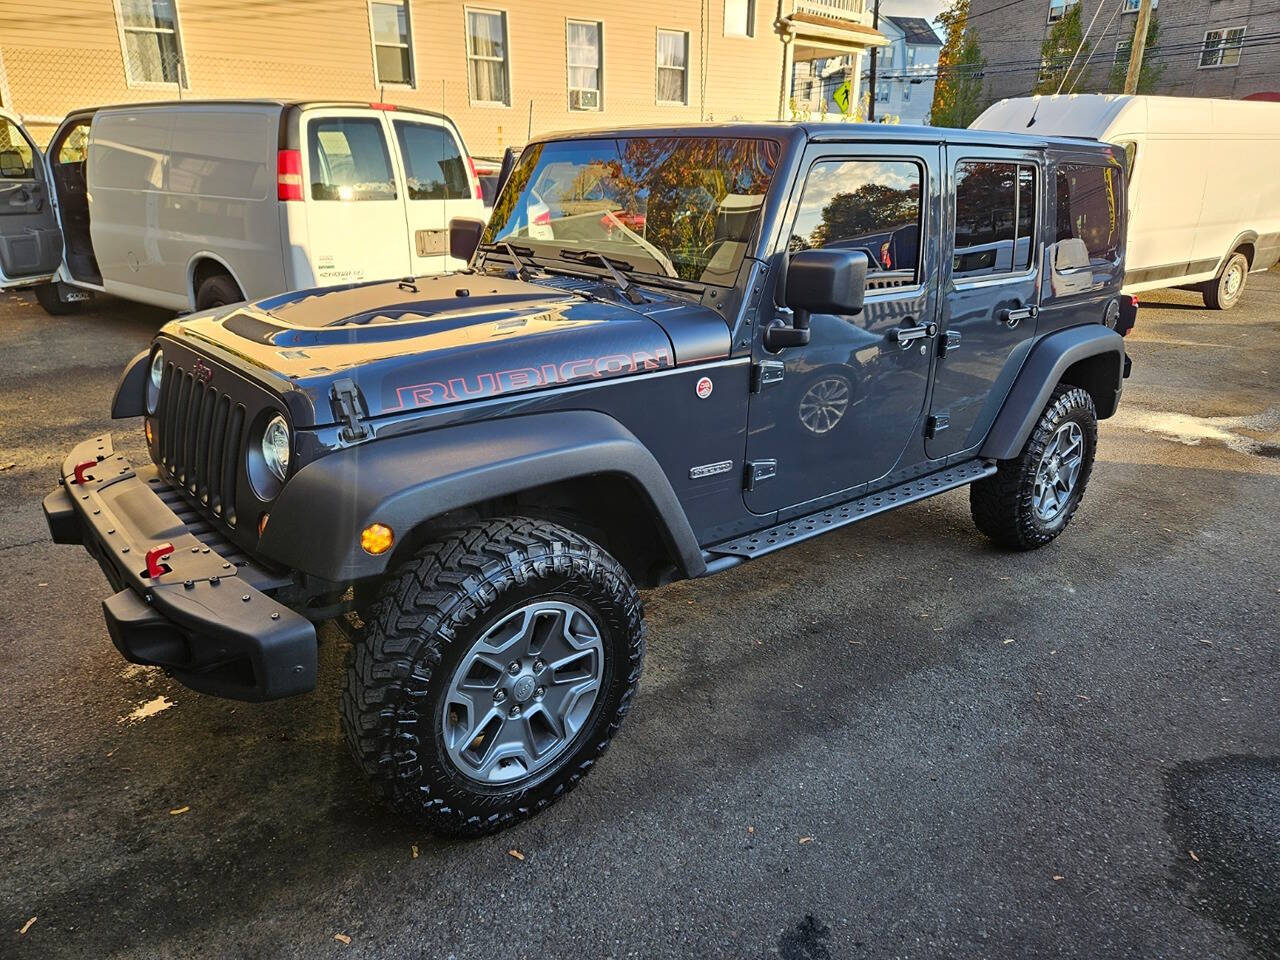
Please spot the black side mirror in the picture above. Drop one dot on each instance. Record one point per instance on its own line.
(832, 280)
(464, 237)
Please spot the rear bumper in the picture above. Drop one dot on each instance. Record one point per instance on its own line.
(207, 619)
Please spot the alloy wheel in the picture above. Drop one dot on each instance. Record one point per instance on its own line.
(1058, 472)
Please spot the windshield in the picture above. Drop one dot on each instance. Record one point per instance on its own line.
(684, 207)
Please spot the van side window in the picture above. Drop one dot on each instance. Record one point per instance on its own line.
(75, 145)
(16, 158)
(1130, 156)
(868, 205)
(432, 162)
(995, 218)
(349, 160)
(1089, 208)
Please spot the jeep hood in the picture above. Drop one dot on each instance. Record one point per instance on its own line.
(444, 340)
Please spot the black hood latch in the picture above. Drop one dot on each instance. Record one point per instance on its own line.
(348, 407)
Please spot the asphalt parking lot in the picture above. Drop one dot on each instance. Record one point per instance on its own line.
(894, 741)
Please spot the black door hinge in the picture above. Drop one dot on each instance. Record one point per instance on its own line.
(759, 471)
(764, 373)
(936, 424)
(949, 342)
(344, 395)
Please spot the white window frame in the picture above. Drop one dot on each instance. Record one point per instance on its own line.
(658, 67)
(568, 67)
(184, 77)
(1222, 47)
(505, 59)
(1064, 6)
(1132, 6)
(374, 45)
(1127, 47)
(751, 22)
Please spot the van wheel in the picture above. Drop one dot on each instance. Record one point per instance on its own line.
(217, 291)
(498, 664)
(47, 295)
(1030, 499)
(1224, 291)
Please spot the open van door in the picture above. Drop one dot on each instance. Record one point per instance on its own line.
(30, 239)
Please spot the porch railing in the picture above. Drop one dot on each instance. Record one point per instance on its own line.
(836, 9)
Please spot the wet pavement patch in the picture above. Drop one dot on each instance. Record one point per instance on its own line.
(807, 940)
(1224, 817)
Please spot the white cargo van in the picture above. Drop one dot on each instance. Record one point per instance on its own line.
(1204, 194)
(195, 204)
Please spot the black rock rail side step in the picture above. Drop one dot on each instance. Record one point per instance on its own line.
(802, 528)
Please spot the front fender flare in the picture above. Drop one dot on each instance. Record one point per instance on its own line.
(1043, 370)
(130, 398)
(403, 481)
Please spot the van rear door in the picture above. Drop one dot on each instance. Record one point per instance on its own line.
(439, 185)
(30, 239)
(355, 209)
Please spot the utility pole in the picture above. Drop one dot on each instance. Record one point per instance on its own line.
(871, 83)
(1138, 48)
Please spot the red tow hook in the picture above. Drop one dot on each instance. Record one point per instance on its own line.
(157, 553)
(81, 468)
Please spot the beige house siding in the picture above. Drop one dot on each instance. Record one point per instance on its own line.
(53, 62)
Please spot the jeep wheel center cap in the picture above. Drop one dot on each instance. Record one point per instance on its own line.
(523, 689)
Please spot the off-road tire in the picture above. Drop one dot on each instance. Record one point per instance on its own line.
(430, 612)
(217, 291)
(1001, 504)
(52, 304)
(1216, 294)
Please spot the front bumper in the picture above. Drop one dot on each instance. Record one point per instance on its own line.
(206, 619)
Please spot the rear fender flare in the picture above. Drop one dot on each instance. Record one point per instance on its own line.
(404, 481)
(1044, 368)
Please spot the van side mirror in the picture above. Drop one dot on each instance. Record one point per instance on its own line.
(464, 237)
(832, 280)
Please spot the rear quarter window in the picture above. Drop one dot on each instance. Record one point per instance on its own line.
(349, 160)
(995, 218)
(433, 164)
(1090, 209)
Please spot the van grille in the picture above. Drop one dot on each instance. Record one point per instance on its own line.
(198, 445)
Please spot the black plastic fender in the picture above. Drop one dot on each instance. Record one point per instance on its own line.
(1049, 360)
(402, 481)
(130, 398)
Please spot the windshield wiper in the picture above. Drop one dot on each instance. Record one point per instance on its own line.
(625, 286)
(525, 269)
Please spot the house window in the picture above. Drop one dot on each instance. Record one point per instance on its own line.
(1132, 6)
(1058, 9)
(739, 18)
(673, 67)
(1222, 47)
(392, 45)
(1122, 51)
(585, 61)
(488, 68)
(885, 66)
(152, 41)
(906, 91)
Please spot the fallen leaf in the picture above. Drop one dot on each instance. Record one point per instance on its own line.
(1058, 876)
(1207, 643)
(1081, 696)
(7, 466)
(342, 938)
(751, 829)
(180, 810)
(806, 839)
(414, 848)
(513, 852)
(1010, 640)
(26, 926)
(1192, 852)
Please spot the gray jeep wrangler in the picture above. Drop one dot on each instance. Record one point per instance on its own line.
(675, 350)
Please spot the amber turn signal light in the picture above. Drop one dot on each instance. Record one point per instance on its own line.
(262, 524)
(376, 538)
(147, 429)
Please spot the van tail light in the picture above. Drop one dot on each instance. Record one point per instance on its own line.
(543, 219)
(475, 179)
(289, 175)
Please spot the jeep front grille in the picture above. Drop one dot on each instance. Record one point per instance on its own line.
(199, 440)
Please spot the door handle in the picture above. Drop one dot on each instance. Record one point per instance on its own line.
(1011, 317)
(905, 336)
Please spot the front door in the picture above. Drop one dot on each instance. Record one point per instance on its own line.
(355, 209)
(438, 188)
(848, 404)
(30, 241)
(992, 290)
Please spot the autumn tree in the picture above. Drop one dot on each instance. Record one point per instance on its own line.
(1063, 40)
(957, 92)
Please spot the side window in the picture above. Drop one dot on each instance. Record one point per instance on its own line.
(349, 160)
(17, 160)
(1089, 208)
(75, 145)
(433, 163)
(995, 218)
(1130, 158)
(868, 205)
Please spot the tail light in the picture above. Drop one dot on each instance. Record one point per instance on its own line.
(543, 219)
(289, 175)
(475, 179)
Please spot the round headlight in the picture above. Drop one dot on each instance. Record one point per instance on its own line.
(275, 446)
(153, 382)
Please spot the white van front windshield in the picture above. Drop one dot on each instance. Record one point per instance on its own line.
(684, 207)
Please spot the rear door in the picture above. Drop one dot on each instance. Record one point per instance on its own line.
(30, 240)
(439, 186)
(992, 290)
(355, 205)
